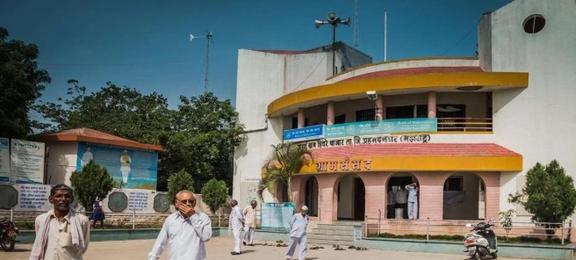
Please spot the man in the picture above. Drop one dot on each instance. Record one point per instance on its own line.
(298, 225)
(412, 200)
(60, 232)
(250, 223)
(186, 230)
(236, 223)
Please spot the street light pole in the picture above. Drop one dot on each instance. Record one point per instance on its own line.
(333, 20)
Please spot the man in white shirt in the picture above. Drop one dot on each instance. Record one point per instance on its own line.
(412, 200)
(186, 231)
(236, 224)
(60, 233)
(250, 223)
(298, 225)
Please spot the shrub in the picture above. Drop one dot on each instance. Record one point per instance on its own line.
(179, 181)
(93, 181)
(214, 194)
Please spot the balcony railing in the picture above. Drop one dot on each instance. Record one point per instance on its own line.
(465, 124)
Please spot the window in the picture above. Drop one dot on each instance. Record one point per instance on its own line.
(341, 119)
(534, 23)
(365, 115)
(454, 183)
(451, 110)
(295, 122)
(400, 112)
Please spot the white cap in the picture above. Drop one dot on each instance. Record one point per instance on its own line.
(304, 208)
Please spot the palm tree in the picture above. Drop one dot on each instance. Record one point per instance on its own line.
(287, 160)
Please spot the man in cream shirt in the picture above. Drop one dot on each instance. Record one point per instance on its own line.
(60, 233)
(250, 223)
(185, 230)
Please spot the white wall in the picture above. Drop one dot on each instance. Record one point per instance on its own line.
(61, 162)
(537, 122)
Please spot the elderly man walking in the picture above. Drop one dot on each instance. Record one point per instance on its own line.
(60, 232)
(236, 223)
(298, 225)
(185, 230)
(250, 223)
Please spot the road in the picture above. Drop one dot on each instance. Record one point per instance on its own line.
(219, 248)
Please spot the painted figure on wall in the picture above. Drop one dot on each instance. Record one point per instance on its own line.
(87, 157)
(125, 162)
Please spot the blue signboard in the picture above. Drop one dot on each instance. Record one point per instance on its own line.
(277, 215)
(390, 126)
(135, 169)
(305, 133)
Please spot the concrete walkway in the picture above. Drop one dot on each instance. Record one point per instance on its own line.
(219, 249)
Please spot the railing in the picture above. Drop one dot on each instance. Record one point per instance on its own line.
(455, 230)
(464, 124)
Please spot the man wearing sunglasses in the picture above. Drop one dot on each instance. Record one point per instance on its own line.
(185, 230)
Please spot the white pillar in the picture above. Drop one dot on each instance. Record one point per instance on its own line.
(432, 105)
(301, 118)
(330, 113)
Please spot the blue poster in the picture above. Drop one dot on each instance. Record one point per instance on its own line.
(134, 169)
(305, 133)
(277, 216)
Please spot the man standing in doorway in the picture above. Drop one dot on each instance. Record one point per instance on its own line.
(185, 230)
(236, 224)
(250, 223)
(298, 225)
(412, 200)
(60, 232)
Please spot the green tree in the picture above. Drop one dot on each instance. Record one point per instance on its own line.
(287, 160)
(205, 133)
(549, 194)
(214, 194)
(179, 181)
(91, 182)
(20, 85)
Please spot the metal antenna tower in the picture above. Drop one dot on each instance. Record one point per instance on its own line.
(356, 28)
(209, 40)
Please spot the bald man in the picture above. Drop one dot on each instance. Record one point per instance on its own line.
(185, 230)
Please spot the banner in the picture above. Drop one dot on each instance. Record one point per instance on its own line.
(134, 169)
(277, 215)
(4, 159)
(33, 197)
(27, 161)
(305, 133)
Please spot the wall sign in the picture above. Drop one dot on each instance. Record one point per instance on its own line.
(344, 165)
(361, 140)
(27, 161)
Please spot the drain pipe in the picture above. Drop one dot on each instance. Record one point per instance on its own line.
(258, 129)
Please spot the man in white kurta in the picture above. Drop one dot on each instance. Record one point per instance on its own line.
(412, 200)
(236, 224)
(249, 223)
(298, 225)
(186, 231)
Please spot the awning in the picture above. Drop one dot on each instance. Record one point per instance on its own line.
(93, 136)
(486, 157)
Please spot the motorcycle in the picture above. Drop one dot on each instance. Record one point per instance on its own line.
(481, 242)
(8, 233)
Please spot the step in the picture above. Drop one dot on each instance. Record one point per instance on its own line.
(332, 232)
(330, 242)
(334, 237)
(334, 227)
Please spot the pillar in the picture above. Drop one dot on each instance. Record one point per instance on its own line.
(492, 183)
(330, 113)
(379, 104)
(432, 105)
(301, 118)
(431, 194)
(376, 193)
(327, 204)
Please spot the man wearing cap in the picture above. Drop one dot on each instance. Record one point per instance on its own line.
(235, 225)
(298, 225)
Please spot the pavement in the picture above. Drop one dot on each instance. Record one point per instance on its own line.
(219, 248)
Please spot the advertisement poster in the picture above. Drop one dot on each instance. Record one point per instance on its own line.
(33, 197)
(134, 169)
(27, 161)
(277, 215)
(4, 160)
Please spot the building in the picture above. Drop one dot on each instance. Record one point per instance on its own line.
(465, 129)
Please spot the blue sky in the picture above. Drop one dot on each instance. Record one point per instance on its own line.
(144, 44)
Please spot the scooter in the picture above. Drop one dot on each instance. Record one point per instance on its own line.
(8, 232)
(481, 242)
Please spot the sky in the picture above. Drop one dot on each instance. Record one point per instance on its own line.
(145, 44)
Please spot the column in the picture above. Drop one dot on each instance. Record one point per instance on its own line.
(376, 192)
(301, 118)
(379, 104)
(492, 183)
(297, 190)
(330, 113)
(431, 194)
(432, 105)
(327, 204)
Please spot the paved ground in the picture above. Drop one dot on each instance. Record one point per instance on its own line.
(219, 248)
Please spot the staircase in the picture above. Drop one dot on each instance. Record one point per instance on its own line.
(337, 233)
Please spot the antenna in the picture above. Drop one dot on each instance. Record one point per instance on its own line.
(356, 32)
(209, 40)
(385, 35)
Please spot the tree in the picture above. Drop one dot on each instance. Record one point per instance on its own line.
(287, 160)
(214, 194)
(549, 194)
(91, 182)
(179, 181)
(205, 133)
(20, 85)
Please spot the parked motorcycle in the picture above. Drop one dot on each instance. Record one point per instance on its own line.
(8, 233)
(481, 242)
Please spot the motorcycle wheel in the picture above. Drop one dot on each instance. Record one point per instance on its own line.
(7, 243)
(494, 256)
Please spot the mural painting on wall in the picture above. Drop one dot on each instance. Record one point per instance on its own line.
(135, 169)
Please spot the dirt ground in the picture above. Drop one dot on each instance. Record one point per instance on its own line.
(219, 249)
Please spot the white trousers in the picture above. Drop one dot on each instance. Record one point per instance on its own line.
(302, 246)
(237, 232)
(249, 236)
(412, 210)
